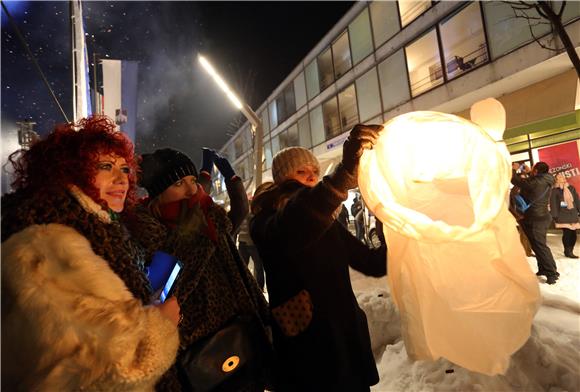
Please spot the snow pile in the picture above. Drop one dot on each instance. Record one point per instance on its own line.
(549, 361)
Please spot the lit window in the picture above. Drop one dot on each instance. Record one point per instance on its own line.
(463, 41)
(292, 136)
(267, 155)
(317, 126)
(410, 10)
(286, 103)
(424, 63)
(273, 115)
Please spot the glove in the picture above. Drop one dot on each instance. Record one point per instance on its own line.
(207, 159)
(361, 137)
(191, 220)
(224, 167)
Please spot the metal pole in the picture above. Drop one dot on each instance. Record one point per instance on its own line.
(258, 128)
(29, 52)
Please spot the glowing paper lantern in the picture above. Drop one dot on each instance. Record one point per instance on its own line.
(457, 270)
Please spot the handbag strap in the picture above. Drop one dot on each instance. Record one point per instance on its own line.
(539, 197)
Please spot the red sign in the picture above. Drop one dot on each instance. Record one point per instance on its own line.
(563, 158)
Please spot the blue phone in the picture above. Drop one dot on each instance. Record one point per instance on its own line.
(168, 288)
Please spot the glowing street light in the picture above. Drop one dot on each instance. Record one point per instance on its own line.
(252, 117)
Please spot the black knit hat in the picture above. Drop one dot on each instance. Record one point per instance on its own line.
(163, 168)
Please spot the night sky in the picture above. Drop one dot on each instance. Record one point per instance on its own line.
(253, 44)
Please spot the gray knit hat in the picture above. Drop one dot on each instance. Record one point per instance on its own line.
(289, 160)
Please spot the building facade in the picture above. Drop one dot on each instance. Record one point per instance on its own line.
(386, 58)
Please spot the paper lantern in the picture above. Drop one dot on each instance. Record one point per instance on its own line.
(457, 270)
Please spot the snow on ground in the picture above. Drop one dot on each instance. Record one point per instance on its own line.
(549, 361)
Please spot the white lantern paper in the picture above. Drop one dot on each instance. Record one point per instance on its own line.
(456, 268)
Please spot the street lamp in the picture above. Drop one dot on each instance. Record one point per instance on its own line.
(257, 127)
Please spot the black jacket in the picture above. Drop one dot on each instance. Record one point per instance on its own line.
(564, 214)
(303, 247)
(536, 190)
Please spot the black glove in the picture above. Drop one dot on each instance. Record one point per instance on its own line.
(361, 137)
(207, 159)
(224, 167)
(191, 220)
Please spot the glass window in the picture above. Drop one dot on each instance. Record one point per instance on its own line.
(317, 126)
(361, 37)
(289, 100)
(341, 55)
(369, 99)
(410, 10)
(267, 155)
(506, 32)
(275, 145)
(273, 115)
(331, 120)
(312, 84)
(285, 103)
(300, 90)
(292, 136)
(265, 122)
(239, 145)
(571, 11)
(463, 41)
(304, 132)
(348, 108)
(385, 20)
(424, 63)
(325, 72)
(393, 81)
(283, 140)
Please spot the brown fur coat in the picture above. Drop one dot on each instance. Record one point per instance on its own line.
(69, 321)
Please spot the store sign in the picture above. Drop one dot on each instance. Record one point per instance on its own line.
(563, 158)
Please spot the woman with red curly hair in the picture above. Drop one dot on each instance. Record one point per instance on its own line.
(75, 300)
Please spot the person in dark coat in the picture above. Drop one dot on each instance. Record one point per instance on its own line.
(565, 207)
(214, 286)
(343, 217)
(321, 335)
(536, 190)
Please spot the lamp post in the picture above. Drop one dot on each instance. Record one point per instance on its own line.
(252, 117)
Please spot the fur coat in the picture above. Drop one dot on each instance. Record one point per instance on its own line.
(69, 322)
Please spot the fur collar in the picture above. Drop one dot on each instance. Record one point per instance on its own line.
(89, 205)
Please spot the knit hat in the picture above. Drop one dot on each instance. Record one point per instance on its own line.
(290, 159)
(163, 168)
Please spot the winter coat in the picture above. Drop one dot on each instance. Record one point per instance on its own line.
(564, 214)
(214, 284)
(69, 322)
(239, 204)
(304, 248)
(536, 190)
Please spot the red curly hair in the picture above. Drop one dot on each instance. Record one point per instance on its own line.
(69, 156)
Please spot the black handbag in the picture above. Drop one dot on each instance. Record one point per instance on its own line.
(240, 346)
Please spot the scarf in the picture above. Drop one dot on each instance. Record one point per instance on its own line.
(170, 212)
(567, 195)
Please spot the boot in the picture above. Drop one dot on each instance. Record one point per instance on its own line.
(568, 252)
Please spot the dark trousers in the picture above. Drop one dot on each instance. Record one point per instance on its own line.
(536, 230)
(568, 238)
(247, 251)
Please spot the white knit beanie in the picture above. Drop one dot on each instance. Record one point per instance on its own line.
(289, 160)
